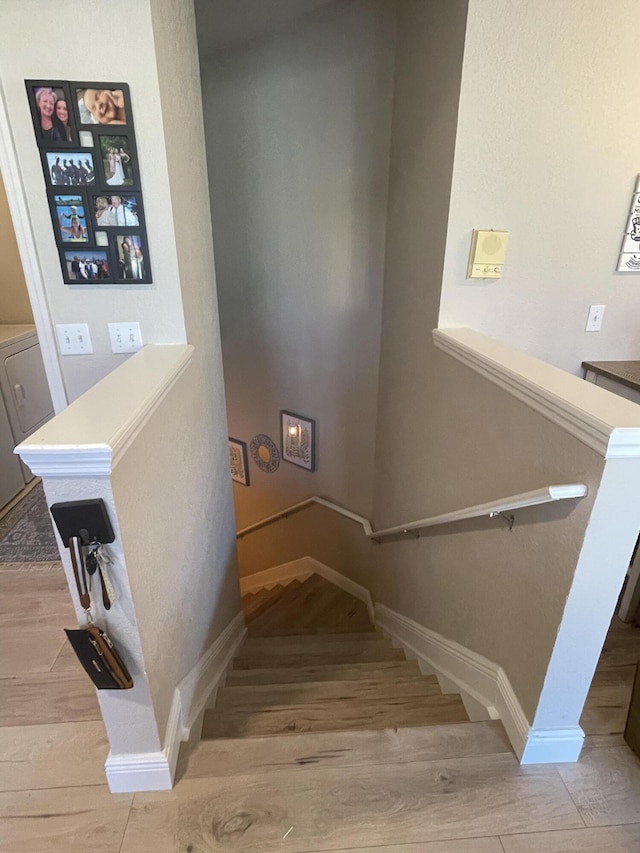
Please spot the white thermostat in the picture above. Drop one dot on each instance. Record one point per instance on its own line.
(487, 255)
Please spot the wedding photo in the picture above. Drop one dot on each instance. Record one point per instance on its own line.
(114, 210)
(101, 106)
(116, 159)
(70, 169)
(71, 219)
(52, 112)
(131, 260)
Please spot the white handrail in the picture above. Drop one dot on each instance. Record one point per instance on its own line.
(549, 494)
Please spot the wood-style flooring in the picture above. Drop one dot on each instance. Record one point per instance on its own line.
(439, 789)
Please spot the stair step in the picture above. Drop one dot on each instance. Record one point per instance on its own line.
(292, 653)
(266, 695)
(334, 715)
(307, 753)
(261, 599)
(324, 672)
(279, 604)
(311, 641)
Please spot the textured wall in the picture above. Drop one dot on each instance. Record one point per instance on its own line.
(547, 148)
(14, 299)
(157, 306)
(298, 129)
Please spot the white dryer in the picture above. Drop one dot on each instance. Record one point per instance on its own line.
(25, 402)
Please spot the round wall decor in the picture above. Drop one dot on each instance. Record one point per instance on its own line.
(265, 454)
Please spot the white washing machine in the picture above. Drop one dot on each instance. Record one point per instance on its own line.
(25, 402)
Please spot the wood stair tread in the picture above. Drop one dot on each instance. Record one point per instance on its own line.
(356, 653)
(322, 672)
(314, 751)
(266, 695)
(334, 715)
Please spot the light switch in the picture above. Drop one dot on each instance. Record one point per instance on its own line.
(125, 337)
(487, 255)
(74, 339)
(594, 320)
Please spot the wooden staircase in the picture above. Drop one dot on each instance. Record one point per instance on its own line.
(313, 663)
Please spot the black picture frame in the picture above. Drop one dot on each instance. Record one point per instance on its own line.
(299, 449)
(85, 167)
(239, 460)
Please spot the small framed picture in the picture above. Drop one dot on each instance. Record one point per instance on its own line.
(298, 440)
(118, 161)
(87, 266)
(239, 461)
(111, 211)
(51, 112)
(70, 216)
(131, 255)
(69, 169)
(102, 104)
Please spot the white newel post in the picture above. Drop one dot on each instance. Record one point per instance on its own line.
(76, 454)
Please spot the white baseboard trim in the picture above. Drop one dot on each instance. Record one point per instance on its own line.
(283, 574)
(196, 687)
(301, 570)
(155, 771)
(486, 683)
(146, 771)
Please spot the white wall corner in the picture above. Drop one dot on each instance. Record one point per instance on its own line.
(482, 684)
(196, 687)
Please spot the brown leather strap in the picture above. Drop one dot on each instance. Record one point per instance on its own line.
(79, 572)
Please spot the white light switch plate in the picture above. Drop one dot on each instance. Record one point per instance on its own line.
(74, 339)
(125, 337)
(594, 320)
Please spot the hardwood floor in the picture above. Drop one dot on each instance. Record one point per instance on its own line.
(440, 789)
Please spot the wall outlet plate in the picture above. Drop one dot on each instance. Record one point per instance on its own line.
(125, 337)
(74, 339)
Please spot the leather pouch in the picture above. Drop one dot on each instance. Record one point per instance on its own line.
(98, 656)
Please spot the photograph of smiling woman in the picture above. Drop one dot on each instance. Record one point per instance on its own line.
(53, 115)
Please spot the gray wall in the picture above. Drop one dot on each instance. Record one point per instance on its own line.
(298, 132)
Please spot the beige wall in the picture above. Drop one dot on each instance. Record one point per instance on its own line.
(14, 299)
(298, 129)
(547, 148)
(158, 306)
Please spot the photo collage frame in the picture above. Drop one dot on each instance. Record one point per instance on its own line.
(87, 143)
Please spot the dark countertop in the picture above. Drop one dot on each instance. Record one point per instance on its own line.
(625, 372)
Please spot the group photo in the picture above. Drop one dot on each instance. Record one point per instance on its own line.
(75, 169)
(91, 267)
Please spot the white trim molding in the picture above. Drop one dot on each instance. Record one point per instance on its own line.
(606, 423)
(195, 690)
(75, 443)
(155, 771)
(486, 682)
(301, 570)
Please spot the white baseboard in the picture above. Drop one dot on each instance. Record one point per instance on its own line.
(146, 771)
(154, 771)
(481, 681)
(283, 574)
(300, 570)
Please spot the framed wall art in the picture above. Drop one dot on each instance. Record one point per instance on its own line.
(239, 461)
(87, 143)
(298, 440)
(264, 453)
